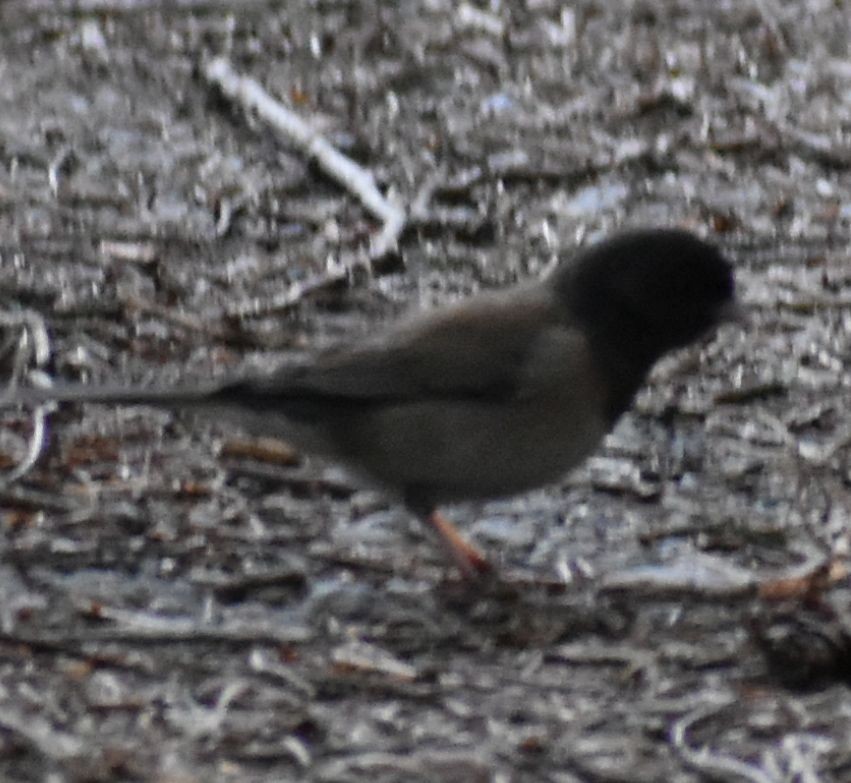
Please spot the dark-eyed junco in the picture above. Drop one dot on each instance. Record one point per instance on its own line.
(492, 396)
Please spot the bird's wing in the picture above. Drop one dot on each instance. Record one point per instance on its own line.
(490, 348)
(496, 348)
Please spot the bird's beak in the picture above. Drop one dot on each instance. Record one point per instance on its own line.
(733, 312)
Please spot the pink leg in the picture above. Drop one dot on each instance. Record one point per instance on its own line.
(470, 561)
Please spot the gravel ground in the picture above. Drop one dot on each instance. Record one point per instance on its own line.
(179, 604)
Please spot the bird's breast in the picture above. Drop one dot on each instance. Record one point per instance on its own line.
(466, 450)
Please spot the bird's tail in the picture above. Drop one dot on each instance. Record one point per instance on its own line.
(170, 397)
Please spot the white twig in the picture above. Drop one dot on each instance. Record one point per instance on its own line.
(34, 343)
(34, 449)
(356, 179)
(289, 298)
(702, 759)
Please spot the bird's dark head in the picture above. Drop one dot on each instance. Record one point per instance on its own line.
(641, 294)
(651, 290)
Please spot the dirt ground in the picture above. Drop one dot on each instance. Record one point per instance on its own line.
(178, 604)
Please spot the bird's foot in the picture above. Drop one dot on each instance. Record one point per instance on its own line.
(473, 565)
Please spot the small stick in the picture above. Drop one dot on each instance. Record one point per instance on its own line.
(34, 342)
(291, 296)
(342, 169)
(703, 759)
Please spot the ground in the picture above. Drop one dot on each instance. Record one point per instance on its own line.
(180, 604)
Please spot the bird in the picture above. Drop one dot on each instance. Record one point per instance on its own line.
(488, 397)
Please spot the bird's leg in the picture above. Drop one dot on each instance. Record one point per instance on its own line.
(470, 561)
